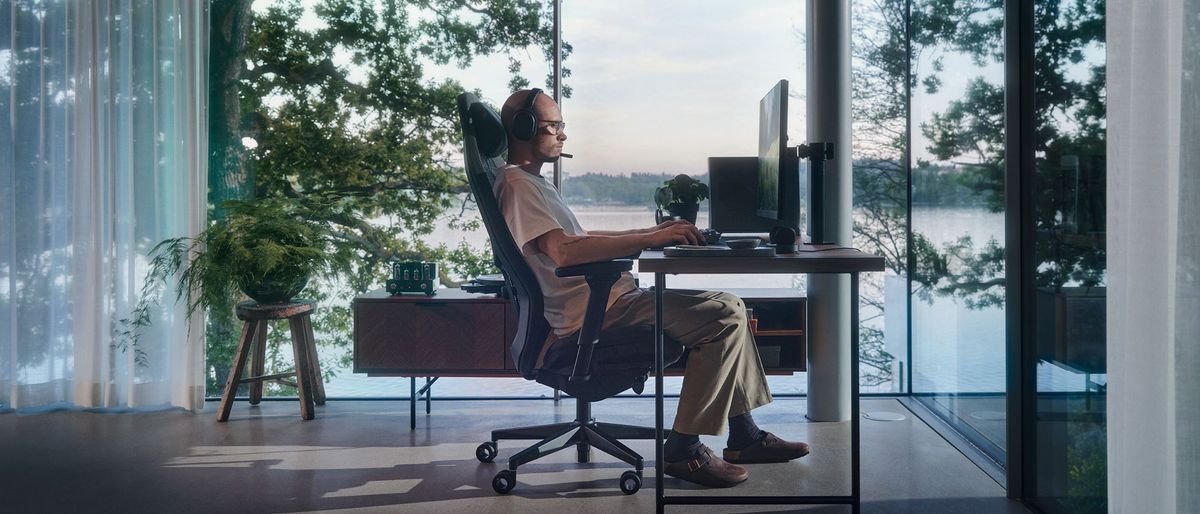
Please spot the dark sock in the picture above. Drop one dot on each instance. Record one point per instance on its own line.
(680, 447)
(743, 431)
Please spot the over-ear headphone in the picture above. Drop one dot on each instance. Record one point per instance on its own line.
(525, 120)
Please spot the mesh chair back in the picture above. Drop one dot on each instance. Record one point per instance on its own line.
(484, 146)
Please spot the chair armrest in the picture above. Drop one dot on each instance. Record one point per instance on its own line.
(595, 268)
(600, 276)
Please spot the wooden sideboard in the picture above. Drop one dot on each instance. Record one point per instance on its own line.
(453, 333)
(460, 334)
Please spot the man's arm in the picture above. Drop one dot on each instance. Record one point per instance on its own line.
(660, 226)
(566, 250)
(619, 232)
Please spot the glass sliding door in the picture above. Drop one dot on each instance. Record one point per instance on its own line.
(1068, 215)
(654, 88)
(957, 241)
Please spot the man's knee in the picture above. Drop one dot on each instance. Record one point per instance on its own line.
(732, 307)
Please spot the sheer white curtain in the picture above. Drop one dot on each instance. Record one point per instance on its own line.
(102, 154)
(1154, 256)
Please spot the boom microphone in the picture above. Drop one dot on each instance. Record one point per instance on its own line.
(567, 155)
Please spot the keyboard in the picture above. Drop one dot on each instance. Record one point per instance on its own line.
(716, 251)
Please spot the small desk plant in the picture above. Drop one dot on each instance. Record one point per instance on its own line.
(680, 196)
(265, 250)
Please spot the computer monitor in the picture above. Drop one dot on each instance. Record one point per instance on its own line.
(733, 197)
(778, 165)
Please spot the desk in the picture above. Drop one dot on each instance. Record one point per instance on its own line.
(826, 259)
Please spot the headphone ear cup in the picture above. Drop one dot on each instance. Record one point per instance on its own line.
(524, 124)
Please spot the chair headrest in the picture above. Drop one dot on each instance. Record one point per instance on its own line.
(489, 131)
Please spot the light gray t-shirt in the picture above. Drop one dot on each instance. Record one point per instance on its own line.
(532, 207)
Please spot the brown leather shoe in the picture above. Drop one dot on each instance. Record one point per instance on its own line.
(768, 449)
(707, 470)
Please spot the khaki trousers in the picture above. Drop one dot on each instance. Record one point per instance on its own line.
(724, 375)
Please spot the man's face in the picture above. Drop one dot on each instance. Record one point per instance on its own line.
(547, 142)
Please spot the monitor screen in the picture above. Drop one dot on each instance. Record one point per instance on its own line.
(772, 143)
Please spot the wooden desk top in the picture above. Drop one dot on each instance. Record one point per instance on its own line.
(839, 260)
(444, 295)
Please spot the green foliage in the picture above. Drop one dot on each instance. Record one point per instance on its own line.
(1069, 137)
(682, 190)
(254, 242)
(1087, 462)
(967, 140)
(347, 126)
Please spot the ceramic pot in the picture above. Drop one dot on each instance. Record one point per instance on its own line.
(686, 211)
(279, 287)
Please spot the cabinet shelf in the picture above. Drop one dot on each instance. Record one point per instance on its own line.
(766, 333)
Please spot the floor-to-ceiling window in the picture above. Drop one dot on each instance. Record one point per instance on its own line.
(346, 110)
(1069, 270)
(654, 89)
(880, 140)
(957, 166)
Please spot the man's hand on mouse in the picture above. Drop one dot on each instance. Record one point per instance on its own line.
(675, 232)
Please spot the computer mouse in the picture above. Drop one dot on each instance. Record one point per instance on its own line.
(711, 236)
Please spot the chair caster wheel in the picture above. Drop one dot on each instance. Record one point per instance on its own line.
(630, 482)
(486, 452)
(505, 481)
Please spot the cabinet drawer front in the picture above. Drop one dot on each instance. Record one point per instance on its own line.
(429, 335)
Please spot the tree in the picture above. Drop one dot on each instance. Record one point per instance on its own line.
(341, 119)
(1069, 127)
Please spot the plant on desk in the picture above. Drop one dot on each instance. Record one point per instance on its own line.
(266, 250)
(680, 196)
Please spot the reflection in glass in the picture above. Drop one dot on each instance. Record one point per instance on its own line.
(879, 107)
(957, 284)
(1069, 228)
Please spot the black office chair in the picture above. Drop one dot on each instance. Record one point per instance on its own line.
(568, 365)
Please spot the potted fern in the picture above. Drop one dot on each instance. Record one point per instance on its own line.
(265, 249)
(681, 197)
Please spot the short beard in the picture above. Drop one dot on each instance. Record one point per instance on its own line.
(546, 158)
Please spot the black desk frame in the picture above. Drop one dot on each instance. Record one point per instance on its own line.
(661, 500)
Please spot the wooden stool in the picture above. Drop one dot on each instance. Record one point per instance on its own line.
(309, 384)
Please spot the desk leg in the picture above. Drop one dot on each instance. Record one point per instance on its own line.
(660, 283)
(854, 399)
(428, 394)
(412, 403)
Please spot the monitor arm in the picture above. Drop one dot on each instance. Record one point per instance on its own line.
(817, 154)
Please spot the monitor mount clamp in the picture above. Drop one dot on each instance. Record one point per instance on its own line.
(817, 154)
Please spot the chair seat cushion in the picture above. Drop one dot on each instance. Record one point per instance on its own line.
(621, 360)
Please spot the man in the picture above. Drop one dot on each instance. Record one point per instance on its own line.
(724, 379)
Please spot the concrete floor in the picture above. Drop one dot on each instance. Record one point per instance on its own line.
(361, 455)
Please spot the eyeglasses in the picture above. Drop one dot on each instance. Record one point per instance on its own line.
(555, 126)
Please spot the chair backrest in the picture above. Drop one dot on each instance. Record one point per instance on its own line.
(484, 146)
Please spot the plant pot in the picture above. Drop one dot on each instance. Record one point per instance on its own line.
(278, 287)
(687, 211)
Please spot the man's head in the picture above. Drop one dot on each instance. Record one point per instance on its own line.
(548, 133)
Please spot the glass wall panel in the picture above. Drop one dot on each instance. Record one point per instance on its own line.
(958, 332)
(346, 111)
(1069, 256)
(880, 110)
(655, 89)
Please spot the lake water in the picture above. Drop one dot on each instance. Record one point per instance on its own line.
(955, 349)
